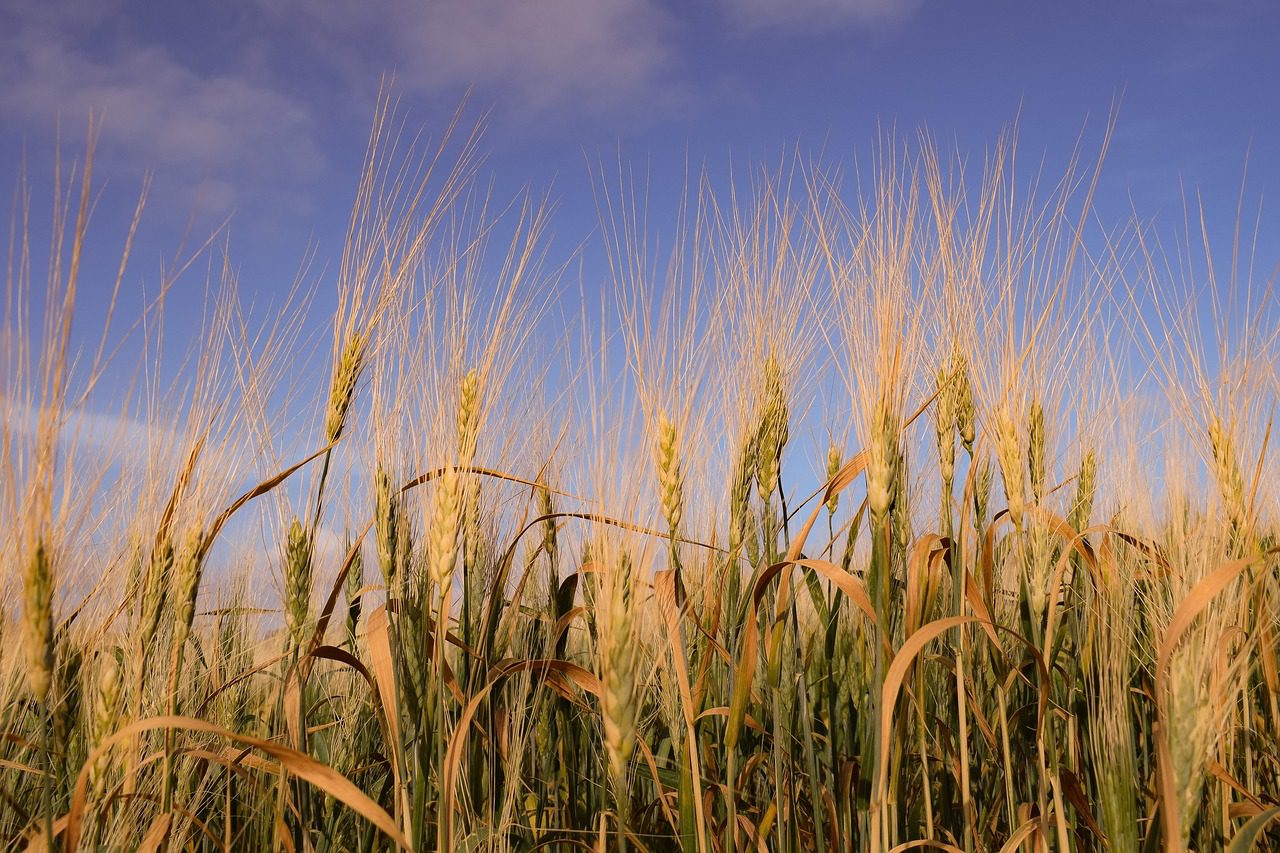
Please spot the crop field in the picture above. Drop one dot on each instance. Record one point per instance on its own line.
(906, 504)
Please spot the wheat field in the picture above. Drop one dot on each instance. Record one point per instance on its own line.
(906, 505)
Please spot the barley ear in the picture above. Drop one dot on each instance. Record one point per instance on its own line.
(155, 593)
(546, 508)
(1012, 467)
(982, 481)
(834, 462)
(884, 463)
(342, 391)
(1086, 491)
(1226, 471)
(962, 405)
(773, 431)
(186, 584)
(945, 414)
(740, 495)
(618, 659)
(468, 417)
(387, 527)
(1037, 451)
(106, 711)
(443, 547)
(298, 567)
(670, 475)
(37, 591)
(354, 583)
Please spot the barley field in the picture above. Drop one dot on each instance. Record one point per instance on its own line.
(907, 505)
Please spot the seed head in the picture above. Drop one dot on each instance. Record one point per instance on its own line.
(773, 431)
(983, 478)
(546, 507)
(618, 659)
(468, 417)
(670, 475)
(342, 390)
(298, 568)
(106, 713)
(355, 582)
(443, 554)
(884, 463)
(1012, 467)
(156, 592)
(834, 464)
(387, 526)
(944, 423)
(473, 523)
(1037, 450)
(37, 593)
(740, 494)
(186, 583)
(1086, 491)
(106, 703)
(962, 404)
(1227, 471)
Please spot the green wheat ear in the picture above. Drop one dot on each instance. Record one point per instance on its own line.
(186, 584)
(834, 462)
(351, 590)
(1037, 450)
(342, 390)
(387, 528)
(1086, 491)
(106, 707)
(884, 463)
(37, 621)
(1226, 471)
(618, 665)
(546, 508)
(298, 567)
(773, 431)
(962, 403)
(740, 495)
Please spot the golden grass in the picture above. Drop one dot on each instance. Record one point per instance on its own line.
(632, 588)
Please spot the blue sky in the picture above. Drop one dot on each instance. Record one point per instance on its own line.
(259, 109)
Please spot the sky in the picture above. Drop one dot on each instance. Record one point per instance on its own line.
(258, 111)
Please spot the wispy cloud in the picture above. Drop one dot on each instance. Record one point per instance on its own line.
(531, 55)
(217, 132)
(816, 15)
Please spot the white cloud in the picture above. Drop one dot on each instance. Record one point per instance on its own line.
(592, 53)
(212, 132)
(815, 14)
